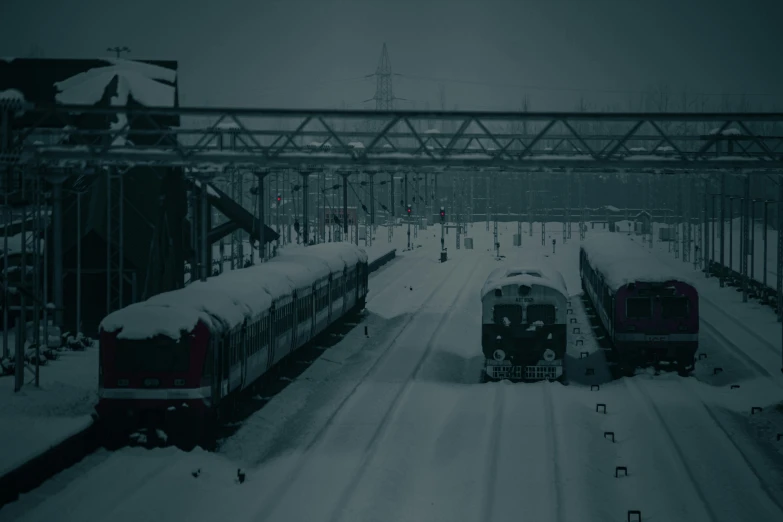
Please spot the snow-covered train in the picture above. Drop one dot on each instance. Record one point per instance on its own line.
(523, 330)
(178, 360)
(650, 314)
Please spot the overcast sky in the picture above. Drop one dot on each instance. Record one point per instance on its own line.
(486, 53)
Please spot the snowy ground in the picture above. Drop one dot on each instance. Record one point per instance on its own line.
(395, 426)
(35, 419)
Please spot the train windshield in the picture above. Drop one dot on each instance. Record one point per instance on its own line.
(639, 308)
(158, 355)
(674, 307)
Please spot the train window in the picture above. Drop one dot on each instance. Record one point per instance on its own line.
(160, 354)
(511, 312)
(542, 312)
(638, 307)
(674, 307)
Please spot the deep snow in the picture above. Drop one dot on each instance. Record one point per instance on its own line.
(395, 426)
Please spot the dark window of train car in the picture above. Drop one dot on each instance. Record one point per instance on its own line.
(512, 312)
(674, 307)
(541, 312)
(158, 355)
(638, 308)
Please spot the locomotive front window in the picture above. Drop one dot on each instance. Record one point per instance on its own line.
(158, 355)
(638, 308)
(541, 312)
(674, 307)
(511, 312)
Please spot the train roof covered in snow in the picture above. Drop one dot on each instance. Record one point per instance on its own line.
(225, 301)
(622, 261)
(528, 276)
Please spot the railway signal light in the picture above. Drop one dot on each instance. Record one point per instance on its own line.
(279, 199)
(442, 214)
(408, 209)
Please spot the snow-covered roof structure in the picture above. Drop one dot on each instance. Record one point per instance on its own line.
(622, 261)
(225, 301)
(141, 80)
(524, 279)
(11, 94)
(518, 275)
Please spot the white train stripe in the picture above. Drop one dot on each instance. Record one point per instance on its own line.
(205, 392)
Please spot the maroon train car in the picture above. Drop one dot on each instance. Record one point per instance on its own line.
(650, 314)
(178, 361)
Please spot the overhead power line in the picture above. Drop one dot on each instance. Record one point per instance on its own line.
(563, 89)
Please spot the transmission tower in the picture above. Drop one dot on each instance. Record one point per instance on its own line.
(384, 95)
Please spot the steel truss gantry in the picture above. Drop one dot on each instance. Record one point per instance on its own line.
(296, 138)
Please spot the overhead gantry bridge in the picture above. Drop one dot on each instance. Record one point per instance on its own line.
(64, 140)
(308, 139)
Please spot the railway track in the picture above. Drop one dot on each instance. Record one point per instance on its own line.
(277, 494)
(718, 471)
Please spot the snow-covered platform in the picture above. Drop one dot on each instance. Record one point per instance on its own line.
(37, 419)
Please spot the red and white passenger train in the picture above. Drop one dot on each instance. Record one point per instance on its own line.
(650, 314)
(179, 359)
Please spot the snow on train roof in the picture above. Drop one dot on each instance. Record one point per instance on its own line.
(317, 266)
(624, 261)
(336, 255)
(225, 301)
(493, 284)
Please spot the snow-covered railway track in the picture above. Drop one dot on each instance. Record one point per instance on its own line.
(380, 393)
(493, 454)
(706, 464)
(369, 452)
(761, 341)
(733, 348)
(384, 278)
(553, 442)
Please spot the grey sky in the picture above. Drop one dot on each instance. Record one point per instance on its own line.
(309, 53)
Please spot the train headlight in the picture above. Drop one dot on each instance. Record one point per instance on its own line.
(549, 355)
(499, 355)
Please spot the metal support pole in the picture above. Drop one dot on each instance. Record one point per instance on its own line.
(121, 241)
(712, 233)
(204, 243)
(261, 203)
(745, 239)
(530, 203)
(6, 291)
(722, 252)
(705, 232)
(78, 263)
(305, 206)
(108, 242)
(21, 325)
(764, 260)
(780, 249)
(486, 203)
(752, 248)
(405, 200)
(731, 233)
(345, 205)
